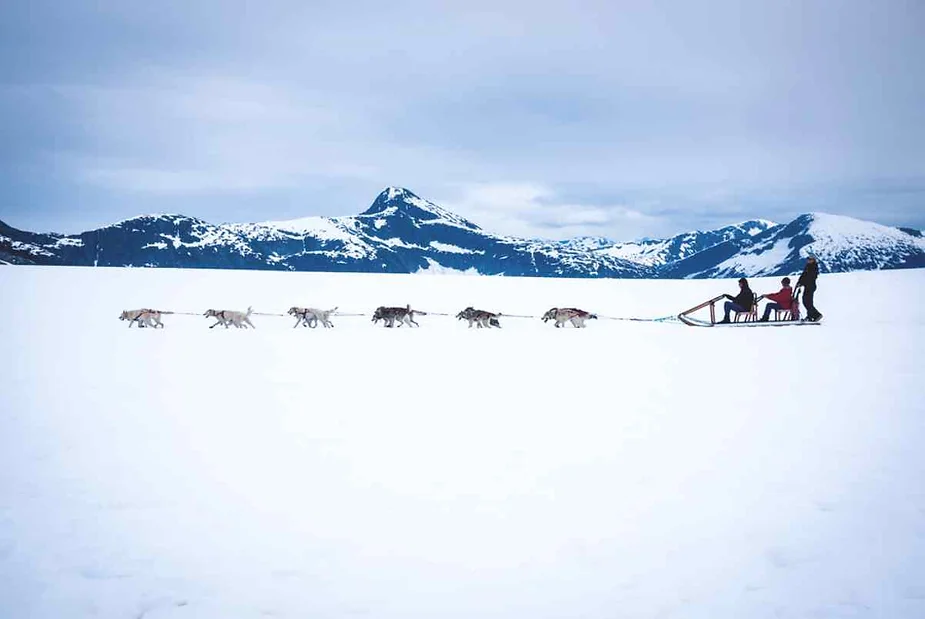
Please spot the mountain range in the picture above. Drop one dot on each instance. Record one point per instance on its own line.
(403, 233)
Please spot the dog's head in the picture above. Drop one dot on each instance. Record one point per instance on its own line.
(124, 315)
(551, 314)
(293, 311)
(379, 314)
(211, 313)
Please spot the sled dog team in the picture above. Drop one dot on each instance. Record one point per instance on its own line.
(390, 317)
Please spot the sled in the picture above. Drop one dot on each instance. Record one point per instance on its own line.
(740, 319)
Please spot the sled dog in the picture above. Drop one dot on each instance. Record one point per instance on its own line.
(562, 315)
(144, 317)
(480, 318)
(240, 320)
(310, 317)
(390, 315)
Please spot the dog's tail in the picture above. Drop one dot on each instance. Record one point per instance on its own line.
(250, 311)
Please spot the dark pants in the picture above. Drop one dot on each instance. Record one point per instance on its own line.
(811, 312)
(769, 308)
(732, 307)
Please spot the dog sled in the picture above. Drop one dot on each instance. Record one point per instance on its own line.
(782, 318)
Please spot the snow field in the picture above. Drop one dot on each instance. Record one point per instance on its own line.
(627, 469)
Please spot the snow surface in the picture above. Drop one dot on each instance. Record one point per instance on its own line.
(68, 241)
(836, 237)
(26, 247)
(452, 249)
(326, 228)
(772, 254)
(435, 268)
(623, 470)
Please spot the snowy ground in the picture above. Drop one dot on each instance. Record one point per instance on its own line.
(624, 470)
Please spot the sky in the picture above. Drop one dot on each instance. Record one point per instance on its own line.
(540, 119)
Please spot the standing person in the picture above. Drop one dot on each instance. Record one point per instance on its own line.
(781, 300)
(742, 302)
(808, 282)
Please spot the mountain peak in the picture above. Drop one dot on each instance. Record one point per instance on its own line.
(400, 202)
(397, 197)
(392, 193)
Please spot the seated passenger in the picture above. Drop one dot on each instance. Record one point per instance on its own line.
(781, 300)
(742, 302)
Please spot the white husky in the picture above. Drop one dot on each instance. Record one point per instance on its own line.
(310, 316)
(240, 320)
(144, 317)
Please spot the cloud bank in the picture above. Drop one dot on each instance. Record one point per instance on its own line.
(620, 119)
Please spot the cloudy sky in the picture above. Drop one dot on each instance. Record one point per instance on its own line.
(547, 119)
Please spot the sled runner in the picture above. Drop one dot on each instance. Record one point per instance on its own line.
(741, 319)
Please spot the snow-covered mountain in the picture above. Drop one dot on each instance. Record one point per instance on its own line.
(840, 244)
(658, 252)
(403, 233)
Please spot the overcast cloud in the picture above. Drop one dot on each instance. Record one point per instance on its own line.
(542, 119)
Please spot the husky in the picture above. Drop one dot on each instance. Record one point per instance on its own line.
(561, 315)
(300, 314)
(390, 315)
(310, 317)
(144, 317)
(480, 318)
(240, 320)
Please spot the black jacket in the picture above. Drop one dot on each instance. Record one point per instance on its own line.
(745, 299)
(809, 275)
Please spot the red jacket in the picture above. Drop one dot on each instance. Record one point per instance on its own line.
(783, 298)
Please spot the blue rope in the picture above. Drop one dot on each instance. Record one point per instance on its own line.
(671, 318)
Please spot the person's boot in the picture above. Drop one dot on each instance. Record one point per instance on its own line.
(724, 321)
(763, 319)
